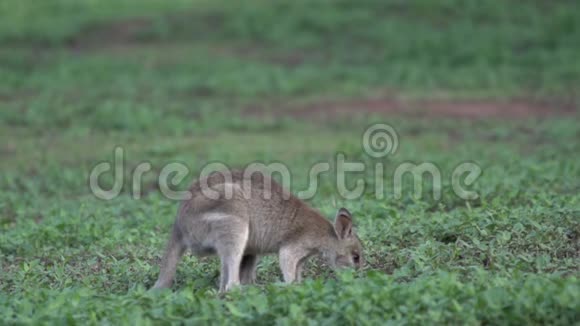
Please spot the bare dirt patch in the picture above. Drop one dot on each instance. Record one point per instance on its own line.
(132, 34)
(136, 31)
(121, 32)
(466, 109)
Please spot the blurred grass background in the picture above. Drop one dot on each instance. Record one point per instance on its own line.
(237, 82)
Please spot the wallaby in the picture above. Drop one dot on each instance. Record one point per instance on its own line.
(240, 216)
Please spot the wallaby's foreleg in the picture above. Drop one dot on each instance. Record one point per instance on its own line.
(169, 262)
(299, 268)
(291, 258)
(248, 269)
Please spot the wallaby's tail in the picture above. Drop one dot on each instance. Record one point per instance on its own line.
(173, 253)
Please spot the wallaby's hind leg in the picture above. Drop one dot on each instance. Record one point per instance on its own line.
(223, 276)
(169, 262)
(248, 269)
(230, 236)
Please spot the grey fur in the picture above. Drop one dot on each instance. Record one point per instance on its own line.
(242, 225)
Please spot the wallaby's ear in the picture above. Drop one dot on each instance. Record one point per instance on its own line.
(343, 223)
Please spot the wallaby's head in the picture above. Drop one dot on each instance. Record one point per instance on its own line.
(347, 252)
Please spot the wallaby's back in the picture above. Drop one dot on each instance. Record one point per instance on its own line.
(273, 214)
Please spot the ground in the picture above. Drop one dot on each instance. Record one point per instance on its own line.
(292, 82)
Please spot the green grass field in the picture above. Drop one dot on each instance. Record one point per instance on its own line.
(199, 81)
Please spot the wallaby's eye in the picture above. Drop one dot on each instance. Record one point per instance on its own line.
(356, 258)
